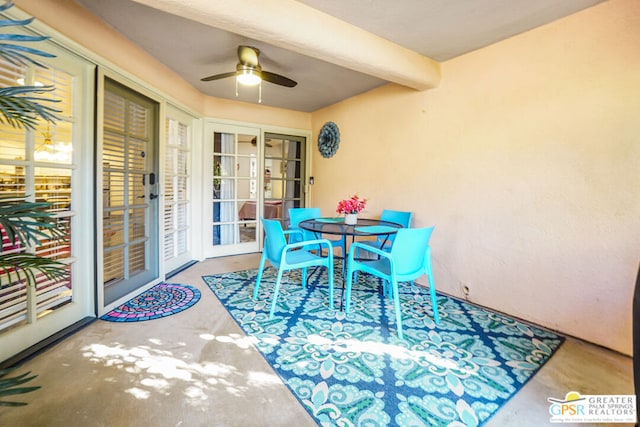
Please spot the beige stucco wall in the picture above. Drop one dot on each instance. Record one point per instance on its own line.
(219, 108)
(526, 158)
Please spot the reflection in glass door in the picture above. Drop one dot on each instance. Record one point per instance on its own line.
(48, 163)
(234, 187)
(284, 175)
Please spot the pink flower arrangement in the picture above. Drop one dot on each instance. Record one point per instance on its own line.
(353, 205)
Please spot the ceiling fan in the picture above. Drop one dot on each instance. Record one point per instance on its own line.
(249, 72)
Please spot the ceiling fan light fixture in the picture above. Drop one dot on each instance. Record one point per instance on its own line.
(248, 77)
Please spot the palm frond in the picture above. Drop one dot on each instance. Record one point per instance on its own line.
(24, 266)
(19, 55)
(27, 222)
(13, 22)
(20, 108)
(6, 6)
(8, 386)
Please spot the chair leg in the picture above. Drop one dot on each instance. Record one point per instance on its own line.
(396, 303)
(276, 288)
(330, 273)
(259, 278)
(432, 291)
(304, 278)
(347, 289)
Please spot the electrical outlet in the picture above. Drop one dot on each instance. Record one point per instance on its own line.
(465, 290)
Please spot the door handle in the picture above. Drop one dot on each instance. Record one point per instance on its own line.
(152, 196)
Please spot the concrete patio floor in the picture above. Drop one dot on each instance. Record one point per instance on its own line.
(196, 368)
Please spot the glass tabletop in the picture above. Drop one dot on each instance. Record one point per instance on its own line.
(364, 227)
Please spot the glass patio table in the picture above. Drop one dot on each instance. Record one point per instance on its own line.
(364, 228)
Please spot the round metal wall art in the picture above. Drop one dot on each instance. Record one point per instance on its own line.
(328, 139)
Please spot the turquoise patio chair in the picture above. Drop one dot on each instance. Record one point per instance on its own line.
(296, 215)
(285, 257)
(399, 217)
(408, 259)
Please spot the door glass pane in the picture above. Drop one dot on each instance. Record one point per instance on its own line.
(113, 265)
(234, 188)
(223, 234)
(136, 188)
(284, 174)
(293, 150)
(53, 143)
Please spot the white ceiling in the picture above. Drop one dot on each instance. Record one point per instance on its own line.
(438, 29)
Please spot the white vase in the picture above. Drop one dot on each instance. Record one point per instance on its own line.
(351, 219)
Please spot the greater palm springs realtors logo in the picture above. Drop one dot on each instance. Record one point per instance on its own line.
(593, 408)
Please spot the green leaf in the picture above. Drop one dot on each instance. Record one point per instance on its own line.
(28, 222)
(8, 386)
(20, 108)
(19, 390)
(23, 266)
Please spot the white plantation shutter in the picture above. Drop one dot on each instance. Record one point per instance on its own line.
(126, 136)
(176, 189)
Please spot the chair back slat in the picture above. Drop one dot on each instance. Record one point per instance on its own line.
(296, 215)
(410, 249)
(274, 241)
(300, 214)
(399, 217)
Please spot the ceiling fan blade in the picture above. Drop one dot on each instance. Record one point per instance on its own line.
(218, 76)
(278, 79)
(254, 141)
(248, 55)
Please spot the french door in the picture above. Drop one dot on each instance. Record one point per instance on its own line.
(250, 177)
(285, 166)
(235, 208)
(129, 191)
(177, 197)
(50, 163)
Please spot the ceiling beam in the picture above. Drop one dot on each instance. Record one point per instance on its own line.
(294, 26)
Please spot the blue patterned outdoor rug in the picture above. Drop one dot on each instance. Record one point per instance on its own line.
(162, 300)
(352, 370)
